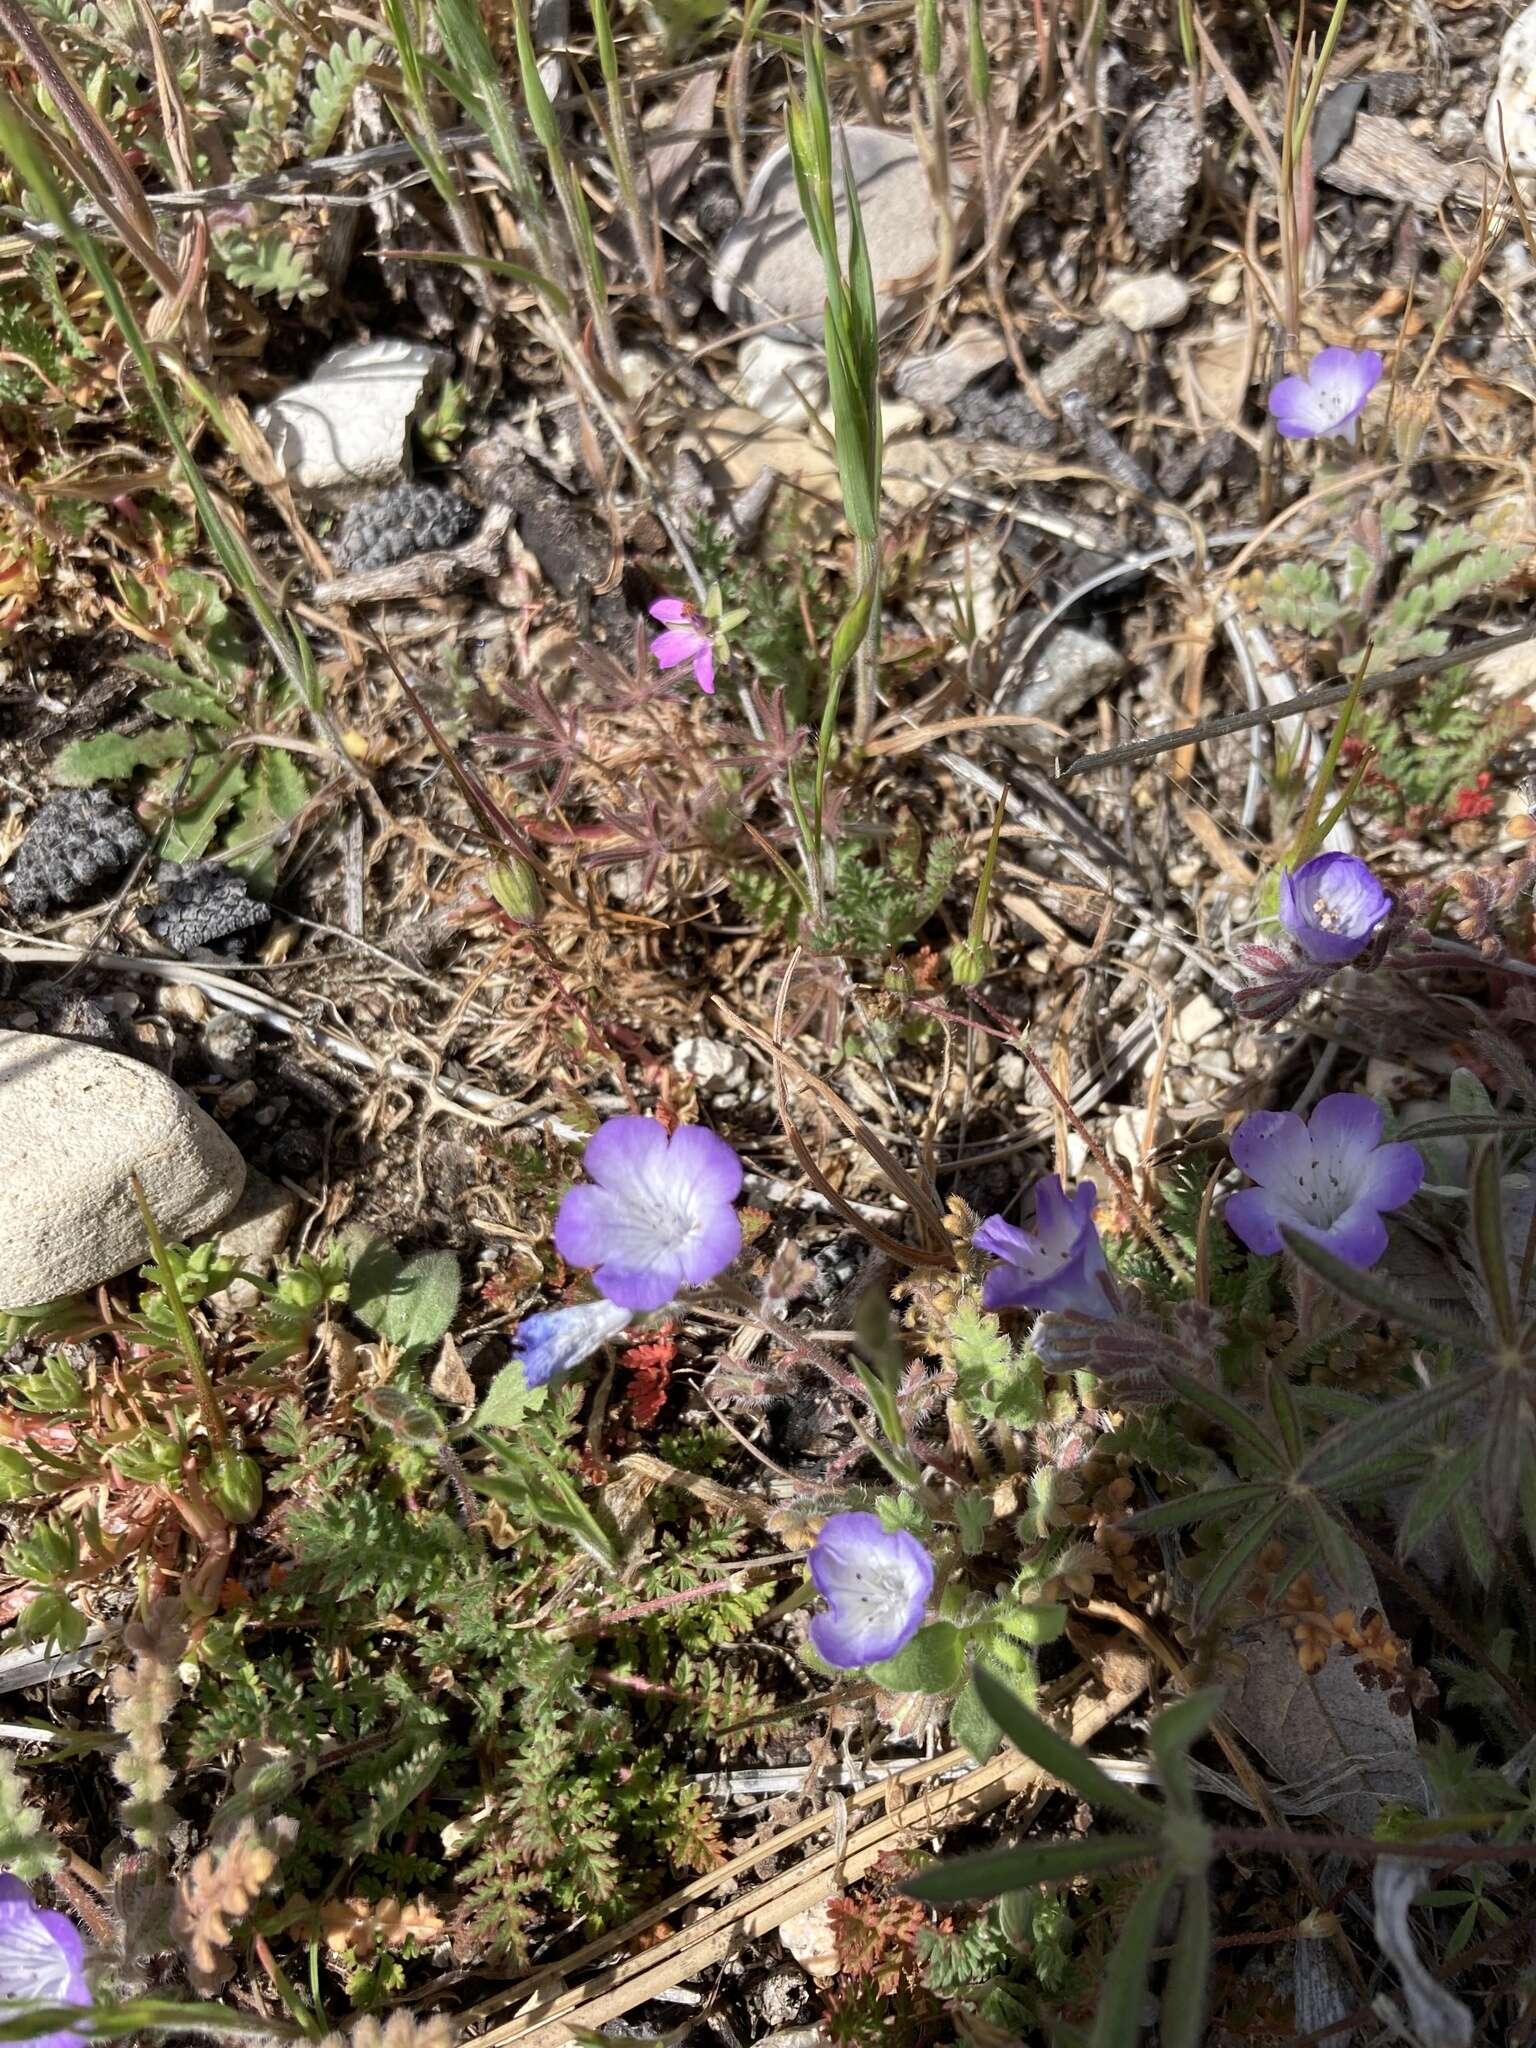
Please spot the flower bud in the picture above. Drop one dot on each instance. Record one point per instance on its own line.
(515, 887)
(234, 1485)
(970, 961)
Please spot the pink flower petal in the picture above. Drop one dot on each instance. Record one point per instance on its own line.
(704, 669)
(671, 611)
(674, 648)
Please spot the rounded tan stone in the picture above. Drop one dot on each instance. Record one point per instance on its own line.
(75, 1124)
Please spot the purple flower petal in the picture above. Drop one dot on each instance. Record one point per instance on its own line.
(1329, 1179)
(562, 1338)
(1359, 1236)
(876, 1583)
(1271, 1147)
(584, 1225)
(1393, 1177)
(659, 1215)
(680, 645)
(704, 669)
(1329, 398)
(1331, 907)
(1059, 1266)
(711, 1164)
(1001, 1239)
(41, 1959)
(671, 611)
(1345, 1130)
(624, 1149)
(1250, 1218)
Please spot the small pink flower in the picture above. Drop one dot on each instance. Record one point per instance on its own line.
(1330, 398)
(688, 640)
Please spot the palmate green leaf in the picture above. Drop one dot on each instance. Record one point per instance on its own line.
(1117, 2019)
(1431, 1502)
(1343, 1559)
(1369, 1290)
(1181, 2014)
(1010, 1870)
(1237, 1422)
(1056, 1754)
(1354, 1447)
(1197, 1507)
(1527, 1489)
(1237, 1554)
(1486, 1199)
(1174, 1733)
(1282, 1405)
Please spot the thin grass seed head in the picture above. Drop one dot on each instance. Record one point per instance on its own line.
(876, 1583)
(658, 1215)
(1329, 1177)
(1331, 907)
(1060, 1265)
(42, 1959)
(1328, 398)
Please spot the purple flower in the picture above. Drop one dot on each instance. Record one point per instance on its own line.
(1329, 1178)
(876, 1584)
(41, 1959)
(1330, 398)
(1331, 906)
(1060, 1267)
(660, 1216)
(688, 640)
(562, 1338)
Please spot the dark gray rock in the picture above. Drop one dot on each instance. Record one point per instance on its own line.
(1164, 171)
(79, 842)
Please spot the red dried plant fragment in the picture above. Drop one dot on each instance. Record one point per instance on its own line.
(649, 1364)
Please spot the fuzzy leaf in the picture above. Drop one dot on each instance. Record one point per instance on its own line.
(972, 1726)
(26, 1850)
(931, 1663)
(1056, 1754)
(1117, 2019)
(410, 1303)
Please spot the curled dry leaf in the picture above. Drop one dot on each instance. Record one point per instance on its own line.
(360, 1926)
(216, 1892)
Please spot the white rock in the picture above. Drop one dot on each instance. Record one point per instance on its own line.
(1073, 667)
(767, 266)
(1139, 303)
(1511, 118)
(937, 379)
(767, 373)
(254, 1232)
(260, 1224)
(75, 1123)
(712, 1063)
(1198, 1019)
(811, 1940)
(349, 427)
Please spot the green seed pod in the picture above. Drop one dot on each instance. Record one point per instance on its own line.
(970, 961)
(516, 888)
(234, 1483)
